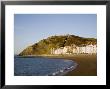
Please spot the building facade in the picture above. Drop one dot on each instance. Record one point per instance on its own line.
(87, 49)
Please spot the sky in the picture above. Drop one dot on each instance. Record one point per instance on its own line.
(31, 28)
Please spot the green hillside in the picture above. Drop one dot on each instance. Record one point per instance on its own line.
(44, 46)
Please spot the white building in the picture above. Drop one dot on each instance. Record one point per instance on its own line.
(89, 49)
(58, 51)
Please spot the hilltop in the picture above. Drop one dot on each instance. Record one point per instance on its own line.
(44, 46)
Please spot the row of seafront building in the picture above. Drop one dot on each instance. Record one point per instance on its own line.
(87, 49)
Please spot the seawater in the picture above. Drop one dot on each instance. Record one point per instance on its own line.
(40, 66)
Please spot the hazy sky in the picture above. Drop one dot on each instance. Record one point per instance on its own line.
(30, 28)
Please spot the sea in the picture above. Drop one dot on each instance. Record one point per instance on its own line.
(41, 66)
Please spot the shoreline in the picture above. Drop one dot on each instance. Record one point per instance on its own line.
(63, 72)
(55, 56)
(87, 63)
(60, 72)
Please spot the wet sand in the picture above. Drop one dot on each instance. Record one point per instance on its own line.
(87, 64)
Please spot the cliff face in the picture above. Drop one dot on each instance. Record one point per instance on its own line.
(44, 46)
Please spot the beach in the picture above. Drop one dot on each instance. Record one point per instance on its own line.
(87, 64)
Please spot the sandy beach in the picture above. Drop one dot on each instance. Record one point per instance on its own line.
(87, 64)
